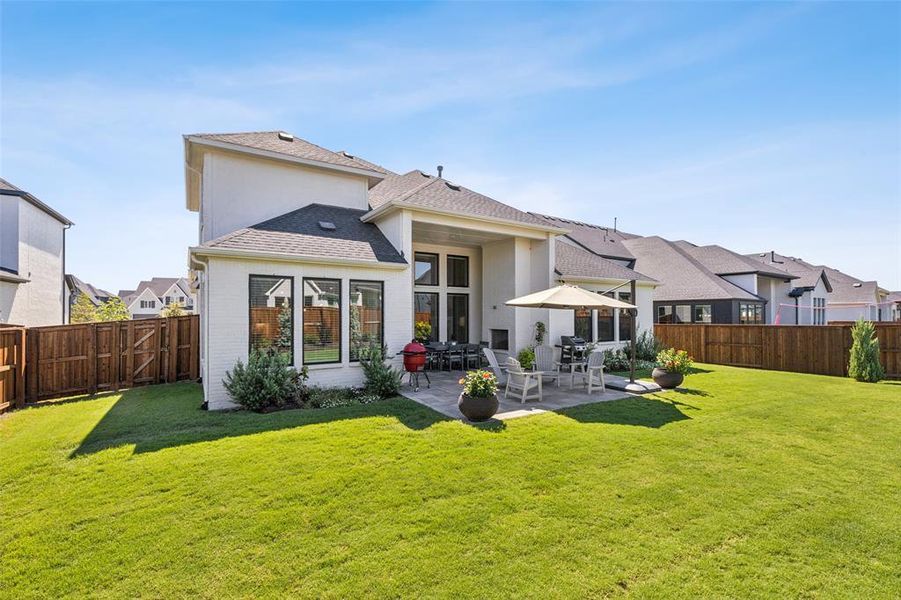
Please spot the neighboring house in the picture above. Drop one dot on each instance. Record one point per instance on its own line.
(846, 298)
(367, 252)
(810, 291)
(150, 297)
(75, 286)
(894, 305)
(32, 260)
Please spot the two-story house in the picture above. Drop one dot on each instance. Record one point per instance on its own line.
(322, 254)
(32, 260)
(152, 296)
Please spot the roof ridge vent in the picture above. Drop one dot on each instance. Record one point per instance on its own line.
(285, 136)
(327, 226)
(857, 285)
(452, 186)
(347, 154)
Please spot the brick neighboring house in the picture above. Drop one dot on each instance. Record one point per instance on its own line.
(150, 297)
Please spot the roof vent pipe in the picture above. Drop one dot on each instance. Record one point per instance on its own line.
(440, 170)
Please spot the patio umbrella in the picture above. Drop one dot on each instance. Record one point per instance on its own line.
(570, 297)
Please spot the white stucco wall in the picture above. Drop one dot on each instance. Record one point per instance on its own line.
(242, 190)
(41, 300)
(746, 281)
(225, 316)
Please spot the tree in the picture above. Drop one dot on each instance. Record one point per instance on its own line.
(175, 309)
(83, 311)
(113, 310)
(864, 365)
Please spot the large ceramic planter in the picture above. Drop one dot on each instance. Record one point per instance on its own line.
(667, 379)
(477, 408)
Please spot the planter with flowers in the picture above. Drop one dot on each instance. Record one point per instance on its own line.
(478, 401)
(672, 366)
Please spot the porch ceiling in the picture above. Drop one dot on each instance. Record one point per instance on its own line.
(431, 233)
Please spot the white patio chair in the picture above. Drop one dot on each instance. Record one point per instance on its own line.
(496, 368)
(544, 362)
(594, 369)
(524, 385)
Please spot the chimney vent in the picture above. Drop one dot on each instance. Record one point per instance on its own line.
(285, 136)
(440, 170)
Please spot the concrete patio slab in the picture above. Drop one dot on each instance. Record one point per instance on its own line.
(445, 389)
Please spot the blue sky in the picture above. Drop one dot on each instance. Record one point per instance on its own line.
(755, 126)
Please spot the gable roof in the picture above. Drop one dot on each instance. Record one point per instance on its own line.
(298, 234)
(157, 286)
(598, 239)
(845, 289)
(574, 262)
(421, 190)
(808, 275)
(681, 276)
(96, 295)
(8, 189)
(723, 261)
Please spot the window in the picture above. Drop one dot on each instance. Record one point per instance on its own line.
(321, 321)
(605, 322)
(168, 300)
(458, 318)
(703, 313)
(750, 314)
(425, 308)
(682, 313)
(457, 271)
(271, 300)
(367, 313)
(665, 314)
(625, 318)
(425, 268)
(148, 303)
(582, 323)
(819, 311)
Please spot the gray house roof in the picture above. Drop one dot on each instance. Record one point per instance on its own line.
(8, 189)
(306, 233)
(603, 241)
(96, 295)
(681, 276)
(575, 262)
(808, 275)
(158, 286)
(726, 262)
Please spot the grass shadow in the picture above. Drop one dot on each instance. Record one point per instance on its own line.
(641, 411)
(164, 416)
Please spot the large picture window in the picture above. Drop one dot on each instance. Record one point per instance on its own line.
(605, 322)
(582, 324)
(625, 318)
(665, 314)
(683, 313)
(425, 268)
(321, 321)
(703, 313)
(367, 316)
(750, 314)
(458, 318)
(457, 271)
(271, 300)
(425, 308)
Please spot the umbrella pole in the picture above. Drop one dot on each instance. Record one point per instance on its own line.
(632, 333)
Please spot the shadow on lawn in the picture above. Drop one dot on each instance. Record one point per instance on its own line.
(164, 416)
(643, 411)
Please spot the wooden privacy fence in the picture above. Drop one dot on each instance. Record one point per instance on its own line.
(12, 367)
(819, 349)
(64, 360)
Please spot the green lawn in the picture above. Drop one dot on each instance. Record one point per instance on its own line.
(749, 483)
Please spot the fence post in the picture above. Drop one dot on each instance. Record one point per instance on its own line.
(115, 351)
(130, 354)
(158, 349)
(172, 329)
(20, 370)
(92, 358)
(703, 357)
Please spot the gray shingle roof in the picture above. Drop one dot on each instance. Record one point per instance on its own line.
(299, 234)
(807, 274)
(575, 262)
(429, 192)
(726, 262)
(680, 275)
(297, 148)
(94, 294)
(603, 241)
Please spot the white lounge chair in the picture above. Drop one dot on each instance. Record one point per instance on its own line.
(524, 385)
(593, 373)
(544, 362)
(496, 368)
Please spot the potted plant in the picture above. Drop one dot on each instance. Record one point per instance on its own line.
(672, 366)
(478, 401)
(422, 331)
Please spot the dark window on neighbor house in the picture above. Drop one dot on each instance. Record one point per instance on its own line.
(819, 311)
(425, 308)
(500, 339)
(321, 321)
(682, 313)
(750, 314)
(665, 314)
(605, 322)
(582, 324)
(625, 318)
(703, 313)
(458, 318)
(457, 271)
(271, 301)
(148, 303)
(367, 316)
(425, 268)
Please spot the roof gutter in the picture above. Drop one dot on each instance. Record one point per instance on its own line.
(37, 204)
(396, 205)
(291, 258)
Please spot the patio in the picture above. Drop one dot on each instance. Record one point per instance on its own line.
(443, 393)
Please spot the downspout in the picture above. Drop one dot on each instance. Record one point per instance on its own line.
(201, 267)
(797, 314)
(66, 227)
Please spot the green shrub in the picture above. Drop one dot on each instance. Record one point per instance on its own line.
(621, 360)
(526, 358)
(675, 361)
(864, 364)
(265, 382)
(647, 346)
(382, 380)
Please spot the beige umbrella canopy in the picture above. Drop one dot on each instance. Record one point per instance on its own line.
(567, 296)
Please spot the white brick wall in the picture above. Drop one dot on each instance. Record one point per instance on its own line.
(226, 317)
